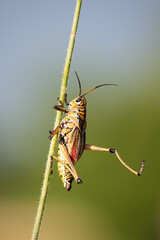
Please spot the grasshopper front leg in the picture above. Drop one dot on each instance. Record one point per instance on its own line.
(60, 106)
(112, 150)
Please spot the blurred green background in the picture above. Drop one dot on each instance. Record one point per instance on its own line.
(117, 42)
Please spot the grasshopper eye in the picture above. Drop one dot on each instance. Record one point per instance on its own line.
(78, 99)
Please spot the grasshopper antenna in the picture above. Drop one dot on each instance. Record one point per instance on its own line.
(79, 83)
(106, 84)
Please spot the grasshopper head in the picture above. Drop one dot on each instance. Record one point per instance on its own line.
(80, 101)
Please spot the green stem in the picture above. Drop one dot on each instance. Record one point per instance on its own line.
(53, 143)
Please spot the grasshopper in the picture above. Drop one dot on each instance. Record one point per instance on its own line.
(71, 134)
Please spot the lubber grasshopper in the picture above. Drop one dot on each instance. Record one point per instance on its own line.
(72, 132)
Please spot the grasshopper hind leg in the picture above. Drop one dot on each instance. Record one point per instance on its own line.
(112, 150)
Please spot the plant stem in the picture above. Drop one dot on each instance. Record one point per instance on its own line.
(53, 143)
